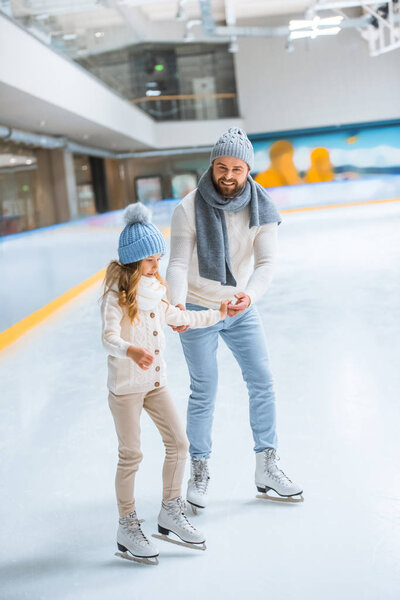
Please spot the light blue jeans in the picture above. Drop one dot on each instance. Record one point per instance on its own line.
(244, 336)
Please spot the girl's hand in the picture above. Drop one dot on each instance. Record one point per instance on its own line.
(223, 309)
(142, 357)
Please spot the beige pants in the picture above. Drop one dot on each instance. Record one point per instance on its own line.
(126, 410)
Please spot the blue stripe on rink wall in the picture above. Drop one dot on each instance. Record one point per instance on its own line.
(316, 130)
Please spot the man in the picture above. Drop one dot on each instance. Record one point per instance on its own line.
(216, 233)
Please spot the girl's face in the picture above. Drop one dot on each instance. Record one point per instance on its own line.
(150, 265)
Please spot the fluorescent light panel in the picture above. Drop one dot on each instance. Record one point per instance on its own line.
(314, 23)
(313, 33)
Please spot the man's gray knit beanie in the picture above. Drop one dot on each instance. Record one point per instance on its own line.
(234, 142)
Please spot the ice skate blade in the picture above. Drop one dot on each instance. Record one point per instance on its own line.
(195, 507)
(287, 499)
(143, 561)
(165, 538)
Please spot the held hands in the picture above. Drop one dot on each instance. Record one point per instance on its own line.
(243, 302)
(142, 357)
(180, 328)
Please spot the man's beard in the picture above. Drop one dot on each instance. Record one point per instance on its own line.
(228, 191)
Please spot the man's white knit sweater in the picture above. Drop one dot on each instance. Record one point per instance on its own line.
(252, 276)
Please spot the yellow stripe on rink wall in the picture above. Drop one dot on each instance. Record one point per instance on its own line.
(10, 335)
(14, 332)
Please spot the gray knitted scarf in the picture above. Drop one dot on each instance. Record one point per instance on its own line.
(211, 232)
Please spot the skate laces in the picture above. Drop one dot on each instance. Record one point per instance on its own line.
(175, 508)
(132, 526)
(270, 460)
(201, 476)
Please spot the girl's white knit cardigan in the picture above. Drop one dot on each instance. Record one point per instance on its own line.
(124, 375)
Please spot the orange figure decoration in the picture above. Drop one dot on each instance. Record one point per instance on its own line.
(321, 167)
(282, 170)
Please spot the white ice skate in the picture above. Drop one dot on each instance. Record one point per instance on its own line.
(172, 519)
(133, 544)
(270, 478)
(197, 495)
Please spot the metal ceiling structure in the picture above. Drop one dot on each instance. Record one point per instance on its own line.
(83, 28)
(80, 29)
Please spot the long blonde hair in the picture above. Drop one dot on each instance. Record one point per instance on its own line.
(126, 279)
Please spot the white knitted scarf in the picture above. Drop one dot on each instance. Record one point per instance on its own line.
(149, 293)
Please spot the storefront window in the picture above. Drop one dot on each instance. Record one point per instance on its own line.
(18, 189)
(183, 183)
(149, 189)
(84, 186)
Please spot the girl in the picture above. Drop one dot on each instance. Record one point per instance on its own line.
(133, 313)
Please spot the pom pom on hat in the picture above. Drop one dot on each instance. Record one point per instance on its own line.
(137, 213)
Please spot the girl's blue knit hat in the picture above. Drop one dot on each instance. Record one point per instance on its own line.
(139, 238)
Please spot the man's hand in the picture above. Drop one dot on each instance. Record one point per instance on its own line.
(243, 302)
(142, 357)
(180, 328)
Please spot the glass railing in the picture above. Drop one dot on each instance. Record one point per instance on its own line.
(168, 81)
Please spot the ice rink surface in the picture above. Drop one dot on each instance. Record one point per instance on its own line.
(332, 320)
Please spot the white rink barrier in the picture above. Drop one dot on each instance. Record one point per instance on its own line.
(367, 189)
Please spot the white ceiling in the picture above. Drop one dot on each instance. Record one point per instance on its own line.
(96, 26)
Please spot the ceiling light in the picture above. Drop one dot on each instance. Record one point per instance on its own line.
(13, 161)
(313, 33)
(29, 161)
(99, 34)
(314, 23)
(153, 93)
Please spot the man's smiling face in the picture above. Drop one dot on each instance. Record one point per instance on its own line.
(229, 175)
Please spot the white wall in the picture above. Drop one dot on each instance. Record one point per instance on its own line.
(193, 133)
(327, 81)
